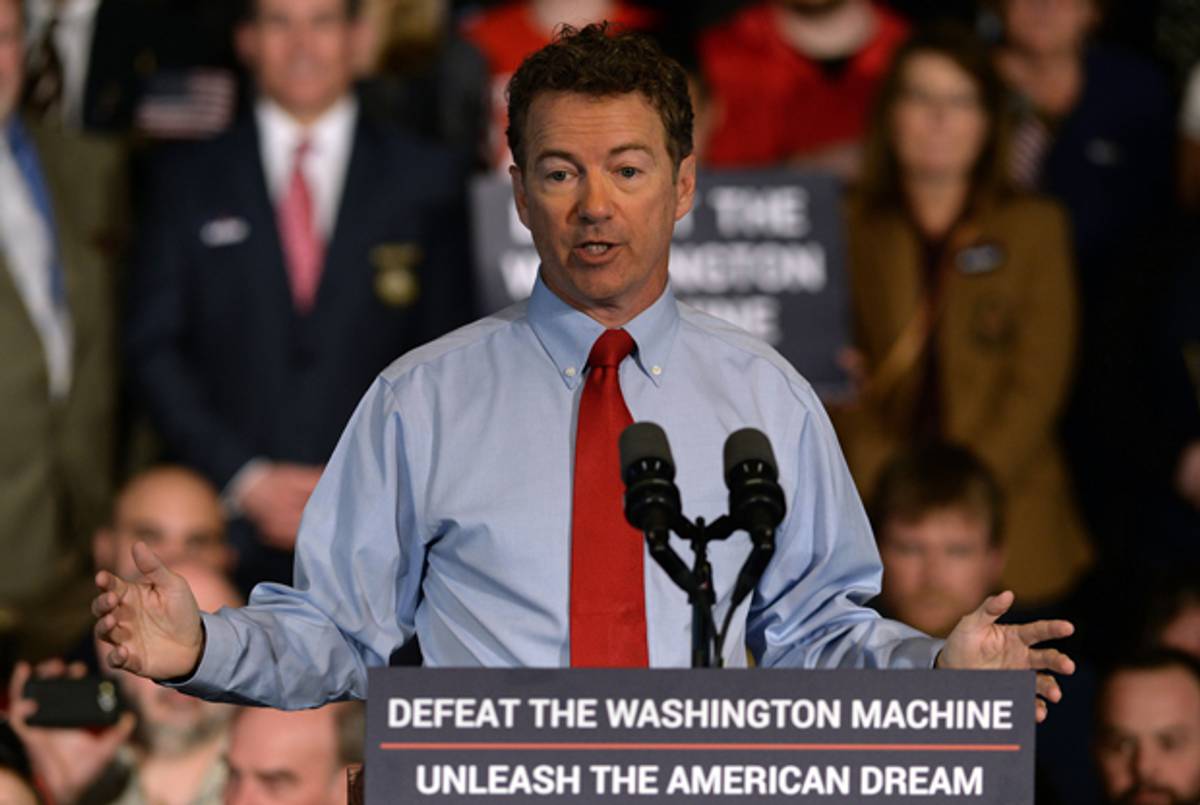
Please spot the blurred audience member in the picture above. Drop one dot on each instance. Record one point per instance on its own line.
(1174, 613)
(963, 303)
(508, 32)
(113, 65)
(422, 75)
(1148, 730)
(172, 509)
(61, 204)
(794, 80)
(1096, 131)
(300, 758)
(168, 749)
(281, 267)
(936, 512)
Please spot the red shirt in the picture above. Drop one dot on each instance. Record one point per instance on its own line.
(779, 103)
(505, 35)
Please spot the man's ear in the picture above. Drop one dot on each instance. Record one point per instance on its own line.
(245, 42)
(996, 558)
(685, 186)
(104, 547)
(518, 186)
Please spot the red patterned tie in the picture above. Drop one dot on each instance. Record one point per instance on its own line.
(608, 599)
(302, 247)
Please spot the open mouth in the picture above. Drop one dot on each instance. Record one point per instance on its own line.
(596, 248)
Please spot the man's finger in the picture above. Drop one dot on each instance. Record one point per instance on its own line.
(16, 685)
(104, 604)
(1040, 631)
(149, 565)
(111, 583)
(994, 606)
(51, 668)
(1042, 711)
(1048, 689)
(1051, 659)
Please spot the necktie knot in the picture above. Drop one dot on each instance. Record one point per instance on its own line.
(302, 150)
(612, 347)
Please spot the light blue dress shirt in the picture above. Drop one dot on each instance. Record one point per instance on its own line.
(445, 511)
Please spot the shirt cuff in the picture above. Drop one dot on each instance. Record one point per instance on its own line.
(242, 480)
(210, 680)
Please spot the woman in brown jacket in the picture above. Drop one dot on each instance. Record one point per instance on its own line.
(964, 302)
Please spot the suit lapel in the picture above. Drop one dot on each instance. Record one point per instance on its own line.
(354, 209)
(267, 262)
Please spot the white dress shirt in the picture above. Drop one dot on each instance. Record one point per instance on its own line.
(28, 248)
(73, 39)
(330, 139)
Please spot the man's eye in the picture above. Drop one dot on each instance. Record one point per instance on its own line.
(628, 172)
(557, 176)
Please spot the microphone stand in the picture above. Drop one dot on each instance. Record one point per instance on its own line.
(696, 582)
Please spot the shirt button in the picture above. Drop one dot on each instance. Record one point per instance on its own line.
(656, 370)
(569, 371)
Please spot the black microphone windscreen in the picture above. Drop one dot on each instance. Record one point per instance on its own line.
(748, 444)
(643, 440)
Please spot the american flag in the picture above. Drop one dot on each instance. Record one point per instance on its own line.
(188, 104)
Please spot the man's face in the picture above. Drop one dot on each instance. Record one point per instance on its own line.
(938, 568)
(301, 52)
(1148, 747)
(599, 193)
(1048, 27)
(278, 757)
(178, 516)
(12, 55)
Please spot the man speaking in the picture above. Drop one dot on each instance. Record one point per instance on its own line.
(474, 499)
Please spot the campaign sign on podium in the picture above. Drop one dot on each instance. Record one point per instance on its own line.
(712, 736)
(762, 249)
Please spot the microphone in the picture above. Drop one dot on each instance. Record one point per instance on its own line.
(755, 498)
(651, 497)
(756, 502)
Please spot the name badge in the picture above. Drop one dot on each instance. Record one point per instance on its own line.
(396, 281)
(982, 258)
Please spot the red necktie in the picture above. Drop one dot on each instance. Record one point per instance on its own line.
(302, 247)
(608, 598)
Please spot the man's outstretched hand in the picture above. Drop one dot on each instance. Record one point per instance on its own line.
(978, 642)
(152, 622)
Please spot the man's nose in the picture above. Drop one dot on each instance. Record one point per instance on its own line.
(1145, 763)
(595, 200)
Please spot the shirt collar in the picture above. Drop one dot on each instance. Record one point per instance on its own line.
(281, 129)
(568, 334)
(69, 11)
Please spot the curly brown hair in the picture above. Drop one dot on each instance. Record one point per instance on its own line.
(601, 60)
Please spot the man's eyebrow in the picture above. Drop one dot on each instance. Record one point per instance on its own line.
(635, 146)
(553, 153)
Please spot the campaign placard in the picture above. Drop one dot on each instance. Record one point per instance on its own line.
(762, 249)
(606, 736)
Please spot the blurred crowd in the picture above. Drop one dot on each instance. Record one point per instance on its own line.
(220, 220)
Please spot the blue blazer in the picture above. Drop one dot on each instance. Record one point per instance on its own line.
(216, 352)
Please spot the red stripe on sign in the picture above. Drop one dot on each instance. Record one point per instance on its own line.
(694, 747)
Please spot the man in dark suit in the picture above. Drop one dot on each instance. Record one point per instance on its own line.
(281, 266)
(61, 205)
